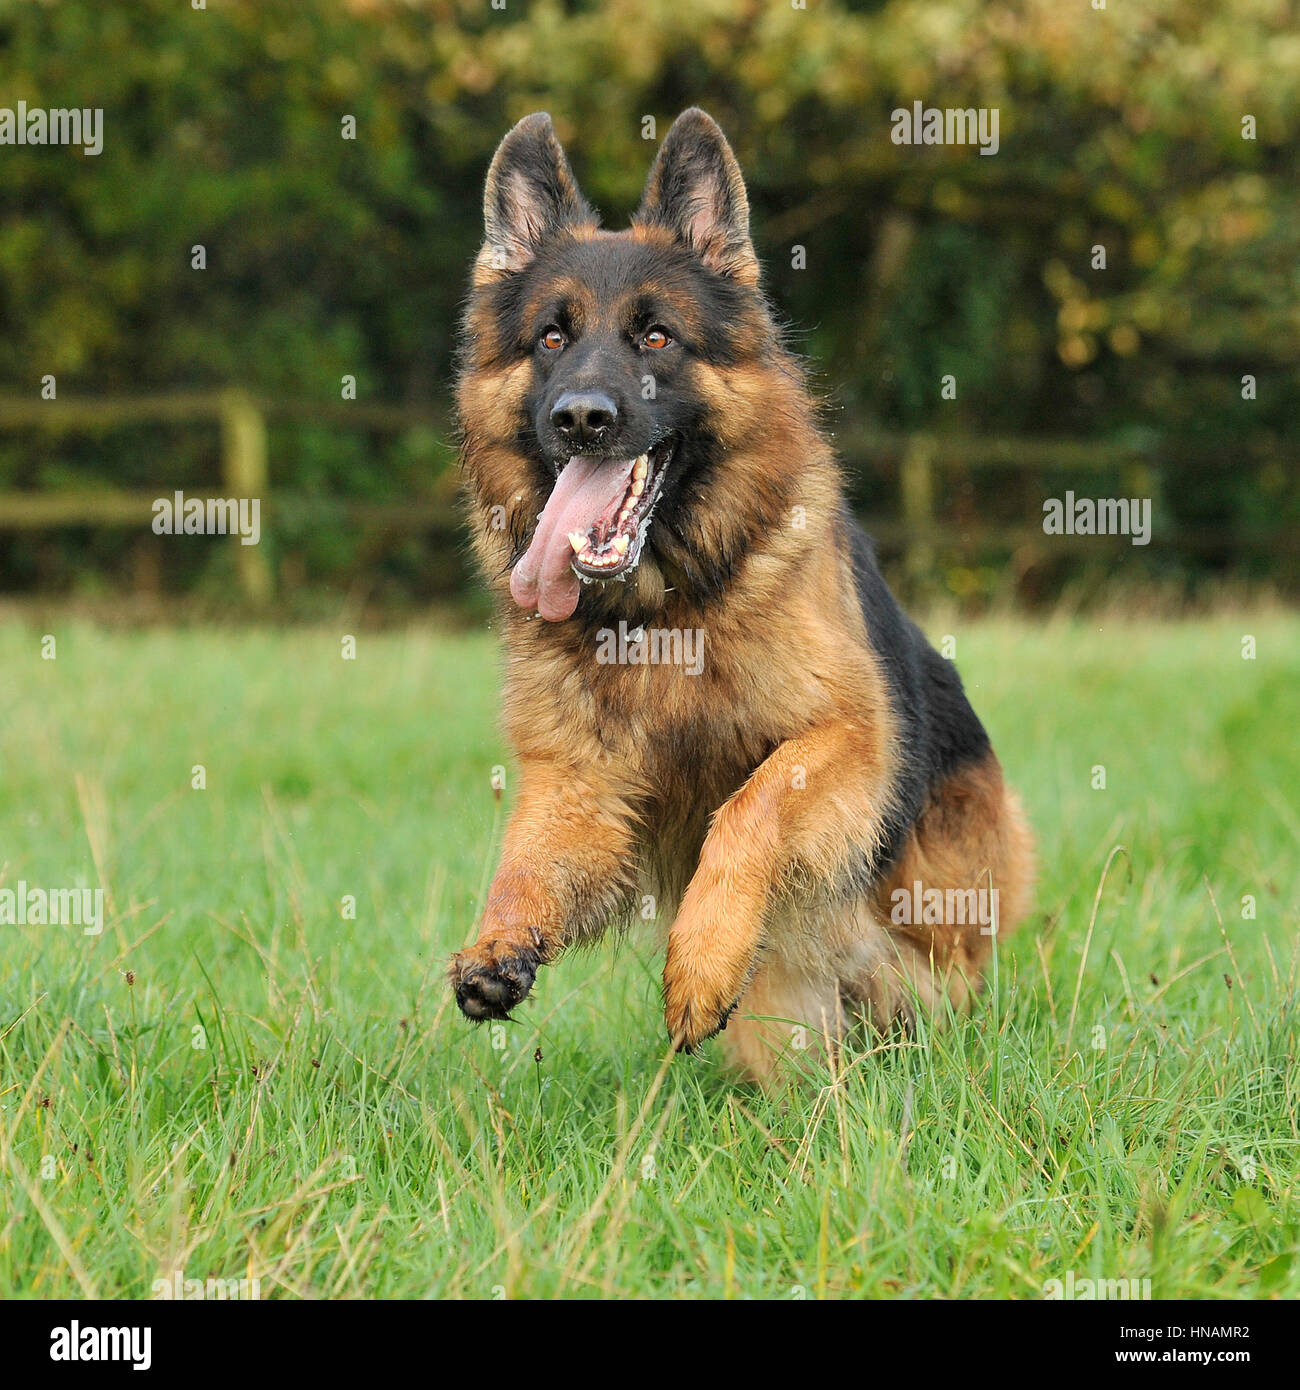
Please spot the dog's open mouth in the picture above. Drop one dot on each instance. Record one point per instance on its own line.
(612, 546)
(593, 527)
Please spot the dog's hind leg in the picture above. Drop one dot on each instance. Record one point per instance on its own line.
(785, 1019)
(964, 875)
(891, 981)
(801, 1002)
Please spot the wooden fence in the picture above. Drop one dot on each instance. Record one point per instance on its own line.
(923, 464)
(243, 421)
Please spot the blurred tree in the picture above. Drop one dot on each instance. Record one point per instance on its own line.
(1124, 128)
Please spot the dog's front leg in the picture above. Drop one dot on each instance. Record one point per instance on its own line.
(804, 814)
(568, 865)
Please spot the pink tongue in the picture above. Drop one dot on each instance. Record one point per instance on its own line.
(586, 490)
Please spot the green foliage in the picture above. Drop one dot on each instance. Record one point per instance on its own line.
(1120, 127)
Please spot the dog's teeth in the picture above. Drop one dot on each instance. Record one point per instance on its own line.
(637, 487)
(621, 544)
(577, 540)
(642, 466)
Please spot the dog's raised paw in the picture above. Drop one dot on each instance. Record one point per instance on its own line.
(490, 981)
(690, 1028)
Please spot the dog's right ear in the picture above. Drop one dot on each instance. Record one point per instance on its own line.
(531, 194)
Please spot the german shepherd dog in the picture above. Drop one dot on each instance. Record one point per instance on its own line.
(642, 457)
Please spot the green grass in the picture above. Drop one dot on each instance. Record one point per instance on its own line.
(234, 1081)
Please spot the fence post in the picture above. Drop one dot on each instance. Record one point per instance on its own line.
(243, 471)
(917, 488)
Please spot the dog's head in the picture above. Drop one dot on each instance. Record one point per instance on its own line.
(613, 385)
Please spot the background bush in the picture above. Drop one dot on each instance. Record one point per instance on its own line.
(1121, 127)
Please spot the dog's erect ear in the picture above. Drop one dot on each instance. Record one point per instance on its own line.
(531, 194)
(696, 190)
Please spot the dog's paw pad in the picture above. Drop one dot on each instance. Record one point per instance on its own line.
(489, 989)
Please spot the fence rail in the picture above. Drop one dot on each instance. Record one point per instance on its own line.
(243, 420)
(924, 462)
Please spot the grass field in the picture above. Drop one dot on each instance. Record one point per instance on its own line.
(235, 1081)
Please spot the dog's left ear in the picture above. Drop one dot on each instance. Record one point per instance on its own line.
(696, 190)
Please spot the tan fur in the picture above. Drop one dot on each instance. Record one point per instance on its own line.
(737, 796)
(834, 965)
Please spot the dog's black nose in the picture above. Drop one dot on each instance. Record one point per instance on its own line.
(584, 417)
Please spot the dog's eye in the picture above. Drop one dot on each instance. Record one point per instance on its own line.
(656, 337)
(553, 339)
